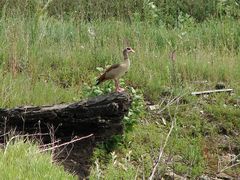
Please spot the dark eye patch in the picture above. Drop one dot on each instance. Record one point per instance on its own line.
(128, 49)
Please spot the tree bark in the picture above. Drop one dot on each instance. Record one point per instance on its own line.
(102, 114)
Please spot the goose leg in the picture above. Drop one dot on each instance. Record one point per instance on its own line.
(117, 85)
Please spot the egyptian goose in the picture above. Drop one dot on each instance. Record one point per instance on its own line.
(115, 71)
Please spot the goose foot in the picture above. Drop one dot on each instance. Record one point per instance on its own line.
(120, 90)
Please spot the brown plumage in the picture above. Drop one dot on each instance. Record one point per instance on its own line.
(103, 77)
(115, 71)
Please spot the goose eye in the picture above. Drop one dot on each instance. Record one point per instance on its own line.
(128, 49)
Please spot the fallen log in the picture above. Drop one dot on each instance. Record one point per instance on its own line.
(96, 115)
(212, 91)
(96, 118)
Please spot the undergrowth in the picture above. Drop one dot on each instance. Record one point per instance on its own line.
(196, 145)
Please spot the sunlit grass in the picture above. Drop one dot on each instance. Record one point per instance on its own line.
(44, 60)
(45, 55)
(22, 160)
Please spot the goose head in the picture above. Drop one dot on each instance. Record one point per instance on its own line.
(128, 50)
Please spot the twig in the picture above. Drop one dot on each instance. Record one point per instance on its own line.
(5, 129)
(69, 142)
(2, 135)
(172, 101)
(52, 136)
(36, 134)
(49, 144)
(68, 154)
(161, 152)
(25, 135)
(228, 167)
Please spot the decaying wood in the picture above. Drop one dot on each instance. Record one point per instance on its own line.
(89, 116)
(212, 91)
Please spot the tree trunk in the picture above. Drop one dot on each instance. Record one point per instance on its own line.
(99, 115)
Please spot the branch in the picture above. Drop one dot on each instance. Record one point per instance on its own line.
(228, 167)
(49, 144)
(211, 91)
(67, 143)
(172, 101)
(161, 152)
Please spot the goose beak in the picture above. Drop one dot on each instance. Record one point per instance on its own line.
(132, 51)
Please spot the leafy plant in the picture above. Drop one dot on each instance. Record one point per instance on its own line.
(136, 111)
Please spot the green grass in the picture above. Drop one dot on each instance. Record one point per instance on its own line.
(171, 13)
(46, 55)
(23, 160)
(195, 147)
(45, 60)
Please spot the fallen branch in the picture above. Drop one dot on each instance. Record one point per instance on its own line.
(211, 91)
(161, 152)
(49, 144)
(66, 143)
(228, 166)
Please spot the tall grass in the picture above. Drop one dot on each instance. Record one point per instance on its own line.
(154, 11)
(43, 59)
